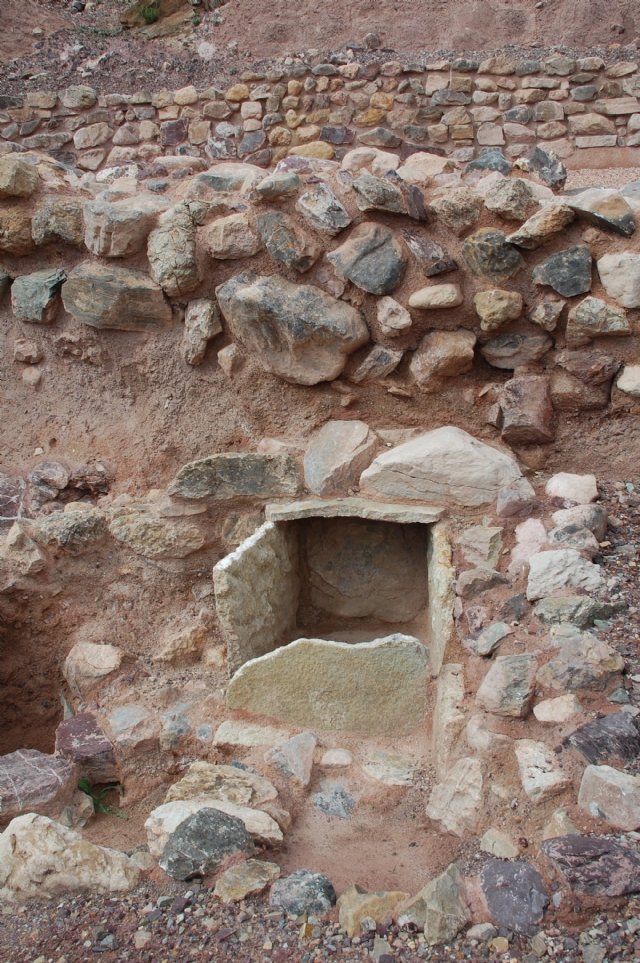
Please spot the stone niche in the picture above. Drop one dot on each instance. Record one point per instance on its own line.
(336, 612)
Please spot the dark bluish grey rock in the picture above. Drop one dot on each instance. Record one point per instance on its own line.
(202, 842)
(607, 209)
(5, 282)
(251, 142)
(303, 892)
(285, 242)
(490, 160)
(584, 93)
(325, 70)
(596, 867)
(515, 894)
(527, 67)
(58, 219)
(378, 194)
(296, 331)
(518, 115)
(432, 258)
(576, 610)
(336, 135)
(464, 66)
(414, 132)
(450, 98)
(511, 351)
(322, 209)
(220, 148)
(612, 741)
(380, 137)
(371, 258)
(334, 800)
(568, 272)
(36, 297)
(489, 256)
(549, 169)
(233, 474)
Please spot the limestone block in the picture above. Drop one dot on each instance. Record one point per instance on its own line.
(442, 595)
(21, 551)
(620, 277)
(498, 844)
(224, 783)
(293, 758)
(495, 308)
(171, 250)
(120, 228)
(482, 545)
(337, 685)
(582, 489)
(392, 770)
(540, 776)
(455, 804)
(108, 297)
(247, 734)
(438, 909)
(448, 717)
(18, 178)
(629, 380)
(337, 455)
(551, 571)
(236, 474)
(531, 536)
(87, 664)
(232, 237)
(508, 687)
(612, 795)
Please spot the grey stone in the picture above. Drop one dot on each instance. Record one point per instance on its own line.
(112, 297)
(220, 148)
(583, 662)
(251, 142)
(120, 228)
(552, 571)
(476, 581)
(568, 272)
(512, 198)
(371, 258)
(490, 638)
(175, 727)
(380, 137)
(337, 455)
(201, 323)
(379, 194)
(613, 740)
(432, 258)
(277, 187)
(489, 256)
(202, 842)
(36, 297)
(541, 226)
(576, 610)
(303, 892)
(322, 209)
(515, 350)
(594, 866)
(57, 219)
(237, 474)
(518, 115)
(490, 160)
(584, 93)
(171, 250)
(458, 210)
(438, 909)
(515, 894)
(508, 687)
(376, 363)
(334, 800)
(545, 166)
(294, 757)
(296, 331)
(285, 242)
(449, 98)
(594, 318)
(604, 208)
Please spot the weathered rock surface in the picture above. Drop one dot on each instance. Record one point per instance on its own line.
(507, 688)
(241, 881)
(552, 571)
(594, 866)
(21, 551)
(356, 904)
(15, 231)
(441, 355)
(567, 272)
(609, 794)
(371, 258)
(527, 411)
(444, 466)
(234, 734)
(303, 892)
(546, 313)
(590, 366)
(512, 198)
(201, 324)
(458, 210)
(112, 297)
(531, 536)
(437, 909)
(337, 455)
(285, 242)
(516, 350)
(225, 783)
(121, 228)
(57, 219)
(498, 844)
(475, 581)
(629, 380)
(374, 364)
(234, 474)
(164, 820)
(322, 209)
(36, 297)
(295, 331)
(515, 894)
(583, 662)
(154, 537)
(436, 297)
(39, 857)
(73, 532)
(390, 769)
(330, 698)
(455, 804)
(88, 664)
(541, 226)
(592, 517)
(393, 318)
(171, 250)
(582, 489)
(557, 711)
(603, 208)
(620, 278)
(294, 757)
(81, 741)
(496, 307)
(545, 167)
(431, 256)
(482, 544)
(541, 778)
(18, 178)
(202, 842)
(30, 779)
(593, 318)
(489, 256)
(576, 610)
(613, 740)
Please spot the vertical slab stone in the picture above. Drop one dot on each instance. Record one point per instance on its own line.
(442, 596)
(448, 718)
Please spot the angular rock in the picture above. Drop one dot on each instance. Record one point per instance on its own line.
(164, 820)
(247, 734)
(303, 892)
(22, 552)
(512, 502)
(474, 582)
(489, 256)
(629, 380)
(488, 640)
(225, 784)
(620, 277)
(490, 160)
(374, 365)
(455, 805)
(482, 545)
(111, 297)
(338, 758)
(202, 842)
(593, 318)
(392, 317)
(36, 297)
(458, 210)
(88, 663)
(232, 237)
(371, 258)
(334, 800)
(294, 758)
(153, 537)
(248, 878)
(583, 662)
(613, 740)
(498, 844)
(541, 226)
(296, 331)
(31, 779)
(573, 536)
(581, 489)
(337, 456)
(594, 866)
(568, 272)
(81, 741)
(527, 412)
(234, 474)
(482, 739)
(322, 209)
(557, 711)
(57, 219)
(436, 297)
(507, 688)
(15, 231)
(603, 208)
(356, 905)
(446, 465)
(575, 610)
(389, 769)
(432, 258)
(545, 167)
(441, 355)
(531, 536)
(18, 178)
(515, 350)
(329, 697)
(201, 324)
(546, 314)
(171, 250)
(496, 307)
(378, 194)
(39, 858)
(121, 228)
(512, 198)
(551, 571)
(591, 367)
(515, 894)
(438, 909)
(607, 793)
(540, 776)
(558, 825)
(592, 517)
(285, 242)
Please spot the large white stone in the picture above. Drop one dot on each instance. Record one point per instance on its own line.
(448, 717)
(88, 664)
(550, 571)
(629, 380)
(455, 805)
(620, 276)
(557, 711)
(165, 819)
(612, 795)
(445, 466)
(582, 489)
(531, 536)
(541, 778)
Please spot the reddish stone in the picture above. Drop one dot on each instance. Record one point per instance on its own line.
(597, 867)
(33, 781)
(80, 740)
(173, 132)
(527, 412)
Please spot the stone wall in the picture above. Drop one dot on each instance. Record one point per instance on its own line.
(456, 106)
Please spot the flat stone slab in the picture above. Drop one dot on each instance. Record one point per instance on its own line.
(29, 778)
(352, 508)
(375, 687)
(614, 740)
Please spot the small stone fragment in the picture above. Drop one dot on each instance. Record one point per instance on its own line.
(241, 881)
(392, 317)
(201, 324)
(294, 758)
(436, 297)
(557, 711)
(540, 776)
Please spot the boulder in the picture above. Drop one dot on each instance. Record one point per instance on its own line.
(295, 331)
(81, 742)
(393, 318)
(164, 820)
(88, 664)
(102, 296)
(580, 489)
(593, 318)
(568, 272)
(490, 257)
(18, 178)
(441, 355)
(356, 905)
(514, 893)
(39, 858)
(445, 466)
(541, 226)
(203, 842)
(458, 210)
(201, 324)
(436, 297)
(57, 219)
(496, 307)
(322, 209)
(475, 581)
(223, 783)
(154, 537)
(36, 297)
(613, 740)
(527, 411)
(438, 909)
(551, 571)
(594, 866)
(621, 278)
(171, 249)
(609, 794)
(603, 208)
(341, 687)
(431, 256)
(507, 688)
(285, 242)
(294, 757)
(303, 892)
(337, 455)
(238, 882)
(578, 610)
(512, 198)
(15, 231)
(231, 475)
(540, 776)
(583, 662)
(120, 228)
(371, 258)
(30, 779)
(455, 805)
(555, 712)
